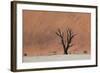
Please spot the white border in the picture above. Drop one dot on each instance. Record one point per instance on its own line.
(21, 65)
(81, 2)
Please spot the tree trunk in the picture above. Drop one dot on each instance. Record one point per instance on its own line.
(65, 52)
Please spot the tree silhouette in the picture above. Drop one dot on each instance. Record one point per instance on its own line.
(66, 43)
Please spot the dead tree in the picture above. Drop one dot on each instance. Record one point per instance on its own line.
(66, 42)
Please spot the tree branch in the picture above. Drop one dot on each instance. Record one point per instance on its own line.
(61, 35)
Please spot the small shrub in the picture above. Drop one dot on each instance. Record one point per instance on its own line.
(25, 54)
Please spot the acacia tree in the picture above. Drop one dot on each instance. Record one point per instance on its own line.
(66, 42)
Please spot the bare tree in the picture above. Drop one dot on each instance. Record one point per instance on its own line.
(66, 43)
